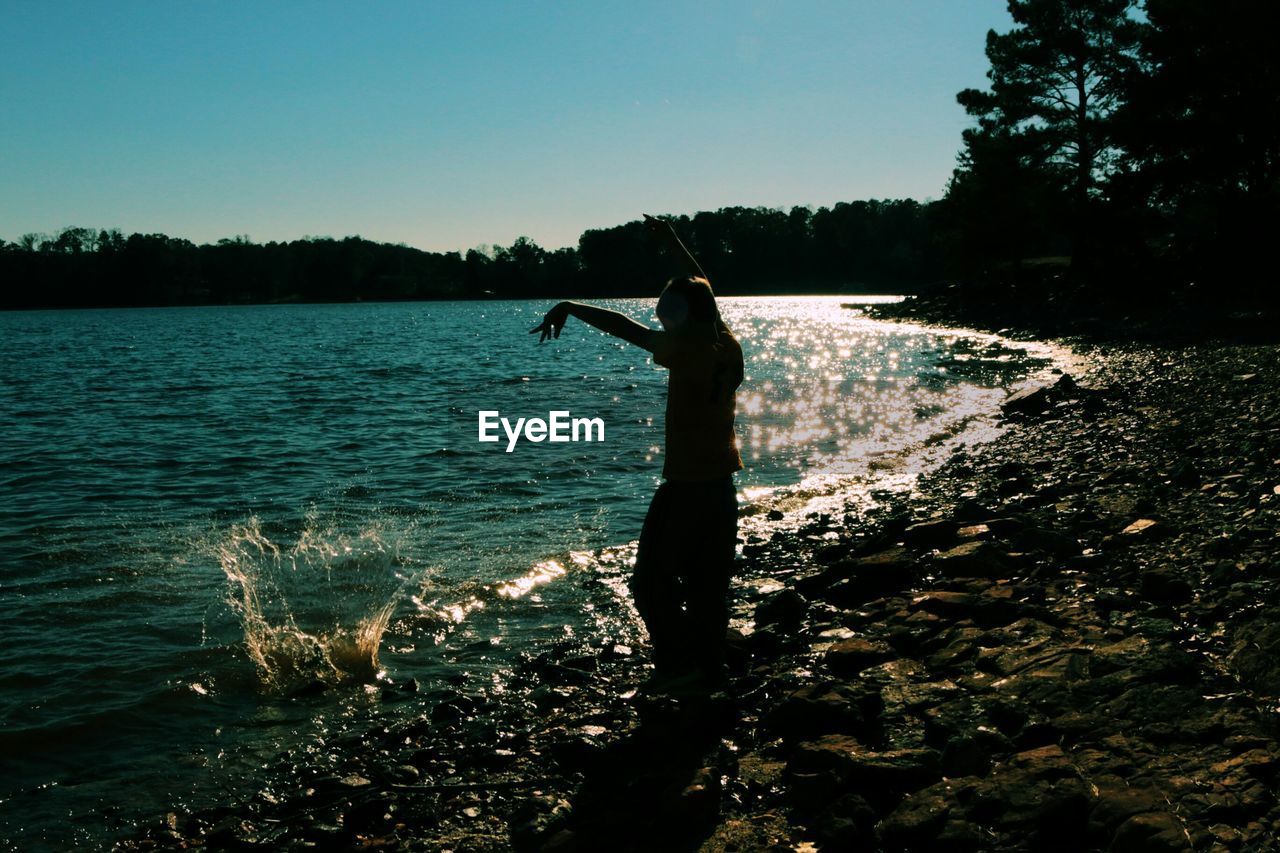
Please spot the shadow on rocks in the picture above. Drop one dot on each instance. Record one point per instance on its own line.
(657, 788)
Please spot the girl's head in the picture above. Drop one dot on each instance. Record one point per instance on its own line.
(687, 301)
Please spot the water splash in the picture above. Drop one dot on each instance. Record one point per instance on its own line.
(315, 608)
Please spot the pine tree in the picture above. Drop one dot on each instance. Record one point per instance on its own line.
(1057, 78)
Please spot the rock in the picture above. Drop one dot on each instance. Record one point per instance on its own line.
(759, 772)
(591, 663)
(853, 582)
(1012, 486)
(1165, 585)
(849, 657)
(563, 841)
(737, 651)
(1116, 804)
(1255, 658)
(1142, 530)
(233, 833)
(404, 774)
(1049, 541)
(1185, 474)
(918, 819)
(1037, 797)
(575, 752)
(1046, 762)
(957, 716)
(826, 707)
(930, 534)
(951, 604)
(1004, 527)
(546, 697)
(538, 818)
(785, 609)
(697, 806)
(970, 511)
(965, 755)
(1030, 400)
(976, 559)
(456, 707)
(1066, 386)
(1139, 659)
(1256, 763)
(885, 772)
(890, 560)
(828, 554)
(1011, 470)
(847, 824)
(369, 816)
(954, 655)
(766, 641)
(962, 836)
(871, 575)
(811, 792)
(354, 780)
(558, 674)
(1153, 832)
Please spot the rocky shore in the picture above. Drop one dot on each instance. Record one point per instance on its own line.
(1066, 639)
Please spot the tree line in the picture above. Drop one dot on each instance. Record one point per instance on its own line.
(850, 247)
(1124, 153)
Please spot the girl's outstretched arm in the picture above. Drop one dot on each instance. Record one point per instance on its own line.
(618, 325)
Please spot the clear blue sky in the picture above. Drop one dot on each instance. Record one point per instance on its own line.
(447, 125)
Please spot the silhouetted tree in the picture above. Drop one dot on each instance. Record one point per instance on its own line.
(999, 208)
(1201, 132)
(1057, 79)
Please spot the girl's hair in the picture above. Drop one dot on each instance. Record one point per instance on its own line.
(697, 295)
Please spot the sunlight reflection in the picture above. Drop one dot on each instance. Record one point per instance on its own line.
(836, 385)
(547, 570)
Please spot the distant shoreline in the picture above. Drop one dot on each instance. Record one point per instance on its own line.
(298, 300)
(852, 245)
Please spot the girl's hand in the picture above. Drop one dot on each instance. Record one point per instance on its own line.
(552, 323)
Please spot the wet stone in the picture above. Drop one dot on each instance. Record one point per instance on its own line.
(831, 553)
(852, 656)
(886, 771)
(930, 534)
(919, 818)
(847, 824)
(966, 755)
(404, 774)
(1153, 831)
(1141, 530)
(1165, 585)
(1116, 804)
(1027, 401)
(1043, 539)
(784, 609)
(977, 559)
(826, 707)
(698, 802)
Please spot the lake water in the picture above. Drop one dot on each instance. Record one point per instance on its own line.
(204, 509)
